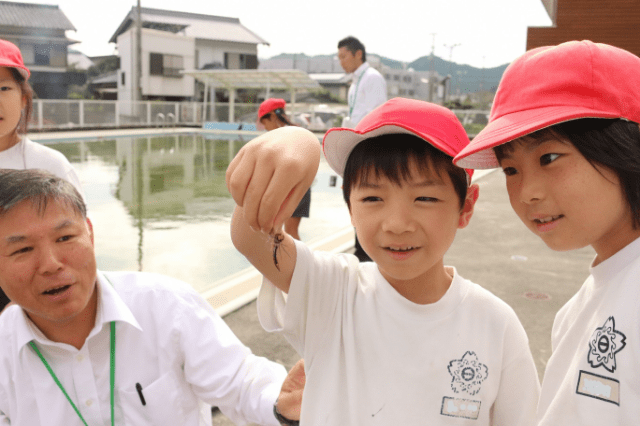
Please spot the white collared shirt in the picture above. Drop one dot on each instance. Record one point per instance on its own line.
(168, 339)
(368, 90)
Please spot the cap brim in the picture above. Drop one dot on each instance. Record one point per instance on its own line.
(22, 70)
(479, 153)
(339, 142)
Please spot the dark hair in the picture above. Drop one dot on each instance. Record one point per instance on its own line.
(353, 45)
(38, 186)
(279, 112)
(27, 93)
(390, 155)
(613, 144)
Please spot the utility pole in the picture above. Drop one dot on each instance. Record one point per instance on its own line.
(138, 79)
(451, 47)
(431, 66)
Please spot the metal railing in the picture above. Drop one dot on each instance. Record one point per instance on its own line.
(70, 114)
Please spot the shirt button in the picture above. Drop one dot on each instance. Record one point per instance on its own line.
(80, 358)
(89, 402)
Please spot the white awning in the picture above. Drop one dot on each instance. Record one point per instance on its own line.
(290, 80)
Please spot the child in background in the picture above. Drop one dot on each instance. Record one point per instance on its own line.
(404, 339)
(16, 105)
(271, 115)
(564, 128)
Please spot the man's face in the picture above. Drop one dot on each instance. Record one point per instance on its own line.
(47, 262)
(348, 61)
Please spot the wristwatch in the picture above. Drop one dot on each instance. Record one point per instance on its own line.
(282, 419)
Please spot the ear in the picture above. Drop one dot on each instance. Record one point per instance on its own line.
(358, 55)
(469, 203)
(90, 226)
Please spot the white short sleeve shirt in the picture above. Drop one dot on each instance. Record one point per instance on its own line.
(373, 357)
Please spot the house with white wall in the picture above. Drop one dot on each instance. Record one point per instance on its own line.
(40, 32)
(174, 41)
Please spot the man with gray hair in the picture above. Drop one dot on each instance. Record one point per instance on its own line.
(81, 346)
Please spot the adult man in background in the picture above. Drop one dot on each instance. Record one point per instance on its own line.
(368, 90)
(81, 346)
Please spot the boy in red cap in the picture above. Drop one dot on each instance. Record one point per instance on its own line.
(564, 128)
(404, 339)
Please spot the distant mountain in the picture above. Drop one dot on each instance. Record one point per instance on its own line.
(464, 78)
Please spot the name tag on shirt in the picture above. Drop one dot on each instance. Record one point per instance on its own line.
(459, 407)
(599, 387)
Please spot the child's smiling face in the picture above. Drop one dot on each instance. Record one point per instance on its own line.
(407, 229)
(11, 104)
(564, 199)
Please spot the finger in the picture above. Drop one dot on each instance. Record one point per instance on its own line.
(239, 178)
(297, 373)
(232, 167)
(280, 200)
(254, 197)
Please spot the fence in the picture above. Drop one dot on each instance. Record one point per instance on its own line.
(69, 114)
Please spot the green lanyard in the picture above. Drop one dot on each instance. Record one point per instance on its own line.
(355, 95)
(112, 374)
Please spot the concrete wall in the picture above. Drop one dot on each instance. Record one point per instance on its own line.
(154, 41)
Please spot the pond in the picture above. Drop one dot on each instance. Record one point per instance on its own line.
(160, 203)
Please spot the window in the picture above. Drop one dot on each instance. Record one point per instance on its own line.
(165, 65)
(28, 53)
(396, 78)
(240, 61)
(122, 78)
(406, 79)
(42, 54)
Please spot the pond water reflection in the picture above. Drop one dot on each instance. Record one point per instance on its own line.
(160, 204)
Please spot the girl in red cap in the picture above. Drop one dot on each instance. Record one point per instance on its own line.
(272, 116)
(564, 127)
(16, 105)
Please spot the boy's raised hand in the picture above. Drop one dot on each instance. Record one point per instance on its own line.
(271, 174)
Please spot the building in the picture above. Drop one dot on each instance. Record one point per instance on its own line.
(612, 22)
(326, 70)
(408, 83)
(39, 31)
(176, 41)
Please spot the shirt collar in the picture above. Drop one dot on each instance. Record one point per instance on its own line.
(361, 69)
(111, 307)
(607, 269)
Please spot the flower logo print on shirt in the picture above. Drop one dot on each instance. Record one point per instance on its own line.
(468, 373)
(604, 344)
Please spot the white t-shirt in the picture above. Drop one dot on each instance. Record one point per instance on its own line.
(373, 357)
(367, 91)
(168, 339)
(593, 375)
(27, 154)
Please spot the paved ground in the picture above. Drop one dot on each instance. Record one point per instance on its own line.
(496, 251)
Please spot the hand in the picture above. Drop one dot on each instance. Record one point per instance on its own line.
(290, 399)
(271, 174)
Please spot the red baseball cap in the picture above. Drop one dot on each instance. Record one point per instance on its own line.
(554, 84)
(435, 124)
(269, 105)
(11, 57)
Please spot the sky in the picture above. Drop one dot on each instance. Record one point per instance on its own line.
(485, 33)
